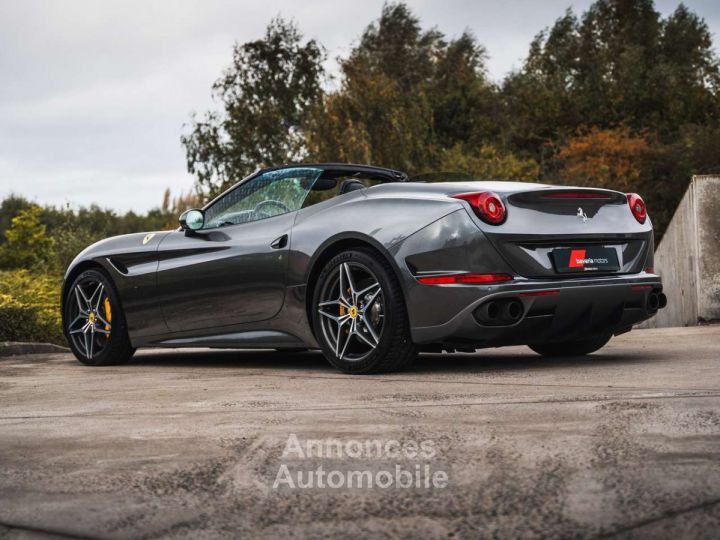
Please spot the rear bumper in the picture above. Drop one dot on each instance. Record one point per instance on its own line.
(552, 310)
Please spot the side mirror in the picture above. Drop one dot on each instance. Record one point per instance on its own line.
(192, 220)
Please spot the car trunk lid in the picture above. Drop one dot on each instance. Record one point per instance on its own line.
(570, 232)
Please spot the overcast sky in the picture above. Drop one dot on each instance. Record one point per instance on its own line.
(94, 95)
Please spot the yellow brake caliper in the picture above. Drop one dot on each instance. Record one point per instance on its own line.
(342, 312)
(108, 314)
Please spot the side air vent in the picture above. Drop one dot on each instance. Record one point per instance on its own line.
(118, 265)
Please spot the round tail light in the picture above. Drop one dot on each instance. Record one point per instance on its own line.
(637, 207)
(487, 205)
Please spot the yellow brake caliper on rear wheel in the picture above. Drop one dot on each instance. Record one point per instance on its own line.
(108, 314)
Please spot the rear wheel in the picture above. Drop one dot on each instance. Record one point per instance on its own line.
(571, 348)
(359, 315)
(94, 322)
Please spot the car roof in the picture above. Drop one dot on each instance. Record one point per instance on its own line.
(388, 175)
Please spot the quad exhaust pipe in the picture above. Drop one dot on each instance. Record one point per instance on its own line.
(502, 312)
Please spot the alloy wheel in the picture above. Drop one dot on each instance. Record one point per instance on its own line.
(352, 309)
(91, 316)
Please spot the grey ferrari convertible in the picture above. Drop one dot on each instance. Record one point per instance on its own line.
(371, 268)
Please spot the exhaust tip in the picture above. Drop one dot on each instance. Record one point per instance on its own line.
(662, 300)
(653, 301)
(501, 312)
(513, 311)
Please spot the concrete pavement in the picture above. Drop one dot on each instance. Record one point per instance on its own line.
(189, 444)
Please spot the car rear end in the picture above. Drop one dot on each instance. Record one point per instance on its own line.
(526, 263)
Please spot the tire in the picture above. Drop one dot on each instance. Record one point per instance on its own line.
(571, 348)
(96, 331)
(374, 336)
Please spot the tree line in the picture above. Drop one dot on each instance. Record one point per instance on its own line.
(618, 96)
(46, 239)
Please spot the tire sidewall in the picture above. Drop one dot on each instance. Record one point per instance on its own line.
(370, 362)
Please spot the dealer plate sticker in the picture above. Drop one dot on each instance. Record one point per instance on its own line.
(587, 259)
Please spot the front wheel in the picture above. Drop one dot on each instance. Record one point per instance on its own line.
(94, 323)
(359, 315)
(571, 348)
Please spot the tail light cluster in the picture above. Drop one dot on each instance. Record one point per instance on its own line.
(637, 207)
(487, 205)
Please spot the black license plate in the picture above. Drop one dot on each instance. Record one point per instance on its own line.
(586, 259)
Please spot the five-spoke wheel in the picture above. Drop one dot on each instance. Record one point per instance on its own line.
(94, 324)
(351, 310)
(359, 314)
(90, 328)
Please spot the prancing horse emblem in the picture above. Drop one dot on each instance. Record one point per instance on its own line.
(582, 215)
(148, 237)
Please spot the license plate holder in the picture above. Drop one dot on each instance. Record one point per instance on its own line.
(585, 259)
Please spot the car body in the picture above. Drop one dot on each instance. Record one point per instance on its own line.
(247, 278)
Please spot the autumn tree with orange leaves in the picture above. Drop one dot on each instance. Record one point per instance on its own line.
(611, 158)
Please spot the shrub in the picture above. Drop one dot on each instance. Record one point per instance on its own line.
(30, 307)
(488, 163)
(68, 241)
(27, 240)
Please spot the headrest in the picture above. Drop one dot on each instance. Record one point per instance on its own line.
(323, 184)
(350, 185)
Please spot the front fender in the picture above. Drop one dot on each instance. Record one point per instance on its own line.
(131, 261)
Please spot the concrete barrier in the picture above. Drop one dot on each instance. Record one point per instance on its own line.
(688, 258)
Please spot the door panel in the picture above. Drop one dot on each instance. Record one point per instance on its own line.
(223, 276)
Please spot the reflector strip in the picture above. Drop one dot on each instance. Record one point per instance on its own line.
(642, 287)
(539, 293)
(464, 278)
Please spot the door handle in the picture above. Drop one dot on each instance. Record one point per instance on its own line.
(280, 243)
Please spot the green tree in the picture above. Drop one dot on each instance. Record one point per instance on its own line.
(465, 104)
(621, 63)
(266, 95)
(381, 113)
(27, 241)
(537, 101)
(9, 208)
(406, 95)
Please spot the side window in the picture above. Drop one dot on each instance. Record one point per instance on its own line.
(271, 194)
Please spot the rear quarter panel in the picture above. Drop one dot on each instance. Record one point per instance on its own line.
(383, 221)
